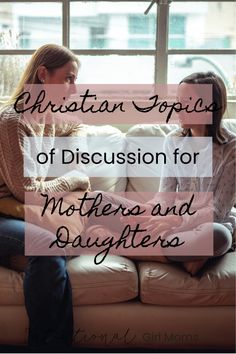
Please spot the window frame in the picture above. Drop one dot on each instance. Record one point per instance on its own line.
(161, 51)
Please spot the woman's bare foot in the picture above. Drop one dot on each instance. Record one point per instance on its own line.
(193, 267)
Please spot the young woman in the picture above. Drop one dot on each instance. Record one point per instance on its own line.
(222, 184)
(47, 289)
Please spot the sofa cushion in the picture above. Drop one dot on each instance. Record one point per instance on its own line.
(112, 137)
(114, 280)
(11, 207)
(18, 263)
(169, 284)
(148, 184)
(11, 289)
(140, 184)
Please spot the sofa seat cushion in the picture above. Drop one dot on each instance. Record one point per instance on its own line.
(169, 284)
(11, 289)
(114, 280)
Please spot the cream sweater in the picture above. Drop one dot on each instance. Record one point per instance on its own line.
(222, 183)
(13, 129)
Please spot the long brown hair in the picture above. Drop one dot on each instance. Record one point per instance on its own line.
(51, 56)
(219, 96)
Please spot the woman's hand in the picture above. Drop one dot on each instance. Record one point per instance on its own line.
(153, 224)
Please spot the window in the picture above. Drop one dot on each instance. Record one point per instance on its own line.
(206, 45)
(33, 31)
(142, 31)
(97, 35)
(177, 31)
(118, 43)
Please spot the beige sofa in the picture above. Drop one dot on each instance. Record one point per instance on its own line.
(126, 304)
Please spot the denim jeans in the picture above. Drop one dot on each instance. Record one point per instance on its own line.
(47, 290)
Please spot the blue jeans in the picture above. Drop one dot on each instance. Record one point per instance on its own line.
(47, 290)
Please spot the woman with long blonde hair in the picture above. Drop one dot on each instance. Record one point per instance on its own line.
(47, 289)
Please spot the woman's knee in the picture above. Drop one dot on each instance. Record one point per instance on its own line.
(222, 239)
(12, 235)
(49, 266)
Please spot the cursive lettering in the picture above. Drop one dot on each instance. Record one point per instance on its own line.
(130, 238)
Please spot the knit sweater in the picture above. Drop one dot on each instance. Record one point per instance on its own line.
(13, 129)
(222, 183)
